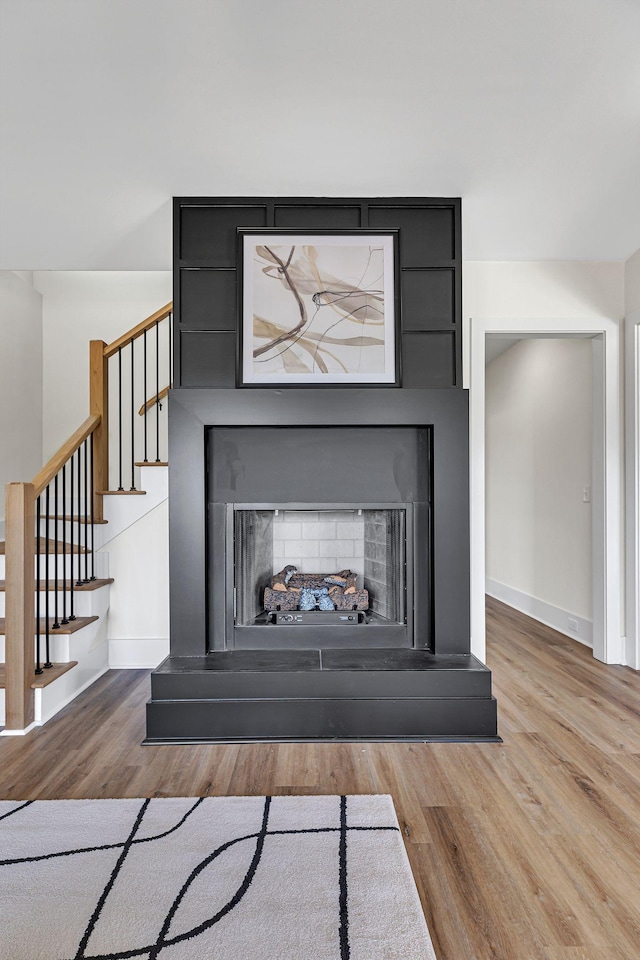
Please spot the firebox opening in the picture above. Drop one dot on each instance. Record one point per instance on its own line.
(320, 566)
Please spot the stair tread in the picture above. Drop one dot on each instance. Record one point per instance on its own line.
(152, 463)
(75, 519)
(52, 546)
(46, 677)
(72, 627)
(52, 673)
(85, 587)
(122, 493)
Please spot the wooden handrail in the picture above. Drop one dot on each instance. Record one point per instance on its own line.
(156, 398)
(137, 331)
(66, 451)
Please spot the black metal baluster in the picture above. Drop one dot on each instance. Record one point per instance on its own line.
(65, 618)
(133, 458)
(56, 622)
(78, 546)
(144, 415)
(158, 407)
(72, 615)
(47, 510)
(86, 514)
(38, 521)
(93, 549)
(120, 487)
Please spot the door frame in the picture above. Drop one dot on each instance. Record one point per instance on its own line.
(608, 644)
(632, 484)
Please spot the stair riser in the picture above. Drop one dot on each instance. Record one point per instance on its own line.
(82, 603)
(70, 532)
(260, 720)
(219, 685)
(59, 648)
(100, 563)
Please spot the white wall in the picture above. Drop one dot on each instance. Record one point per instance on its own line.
(20, 380)
(632, 283)
(538, 298)
(110, 107)
(632, 436)
(79, 306)
(541, 289)
(537, 463)
(554, 289)
(138, 625)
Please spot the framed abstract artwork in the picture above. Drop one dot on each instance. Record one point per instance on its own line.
(318, 307)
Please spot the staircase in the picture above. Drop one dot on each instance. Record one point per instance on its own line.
(54, 563)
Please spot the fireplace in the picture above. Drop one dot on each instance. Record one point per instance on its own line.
(319, 530)
(318, 576)
(404, 669)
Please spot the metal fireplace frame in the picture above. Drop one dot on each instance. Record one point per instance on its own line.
(193, 412)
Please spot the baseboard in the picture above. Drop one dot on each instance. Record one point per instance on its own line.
(19, 733)
(546, 613)
(137, 654)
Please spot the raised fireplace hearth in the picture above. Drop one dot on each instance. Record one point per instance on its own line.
(319, 535)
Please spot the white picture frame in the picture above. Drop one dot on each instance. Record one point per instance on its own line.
(318, 308)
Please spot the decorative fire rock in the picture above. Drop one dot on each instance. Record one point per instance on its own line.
(310, 599)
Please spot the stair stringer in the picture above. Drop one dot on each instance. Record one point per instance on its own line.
(123, 511)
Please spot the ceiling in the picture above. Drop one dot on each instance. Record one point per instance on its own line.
(527, 109)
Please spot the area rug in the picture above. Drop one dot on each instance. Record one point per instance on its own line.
(221, 878)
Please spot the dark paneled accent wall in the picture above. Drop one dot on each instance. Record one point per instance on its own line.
(205, 278)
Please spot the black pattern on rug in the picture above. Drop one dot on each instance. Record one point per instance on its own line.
(152, 950)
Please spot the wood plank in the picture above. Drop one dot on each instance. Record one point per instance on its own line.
(52, 673)
(152, 463)
(49, 546)
(66, 585)
(152, 401)
(138, 330)
(65, 628)
(525, 850)
(99, 407)
(123, 493)
(67, 519)
(47, 676)
(20, 618)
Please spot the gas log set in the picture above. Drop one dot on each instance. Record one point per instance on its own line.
(290, 590)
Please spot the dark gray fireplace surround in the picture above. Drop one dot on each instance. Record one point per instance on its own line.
(387, 465)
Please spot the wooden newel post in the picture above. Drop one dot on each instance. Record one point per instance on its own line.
(20, 615)
(99, 406)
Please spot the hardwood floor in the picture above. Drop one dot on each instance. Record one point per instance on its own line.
(526, 850)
